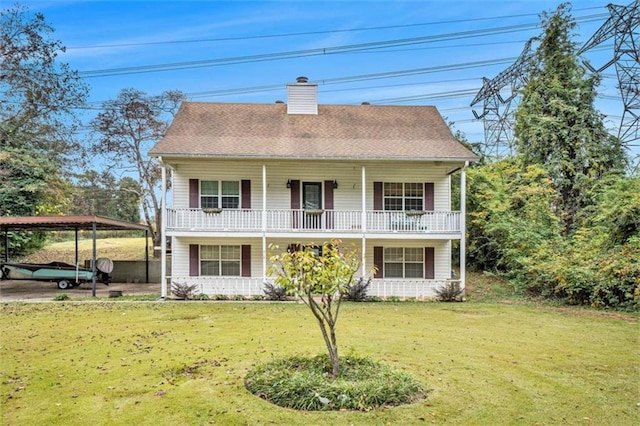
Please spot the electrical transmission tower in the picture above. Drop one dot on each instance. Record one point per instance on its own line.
(498, 112)
(623, 25)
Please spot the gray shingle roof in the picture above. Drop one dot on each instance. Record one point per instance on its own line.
(226, 130)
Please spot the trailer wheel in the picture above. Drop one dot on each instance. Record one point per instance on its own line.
(64, 284)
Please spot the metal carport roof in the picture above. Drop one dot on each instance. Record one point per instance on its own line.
(65, 223)
(69, 223)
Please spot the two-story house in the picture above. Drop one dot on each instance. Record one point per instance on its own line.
(248, 176)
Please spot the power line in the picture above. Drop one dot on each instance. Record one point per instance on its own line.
(297, 34)
(312, 52)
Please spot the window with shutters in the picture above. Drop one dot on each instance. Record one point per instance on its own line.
(219, 194)
(220, 260)
(403, 196)
(403, 262)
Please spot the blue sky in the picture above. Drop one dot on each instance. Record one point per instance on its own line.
(448, 46)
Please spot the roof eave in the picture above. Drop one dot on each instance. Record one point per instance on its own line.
(164, 156)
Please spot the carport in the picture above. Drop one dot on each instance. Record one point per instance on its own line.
(71, 223)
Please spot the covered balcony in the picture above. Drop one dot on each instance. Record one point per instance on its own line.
(287, 220)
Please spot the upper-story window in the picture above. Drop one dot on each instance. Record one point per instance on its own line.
(220, 260)
(219, 194)
(403, 262)
(403, 196)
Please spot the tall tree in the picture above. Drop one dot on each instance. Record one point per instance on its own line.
(37, 99)
(38, 95)
(127, 128)
(557, 125)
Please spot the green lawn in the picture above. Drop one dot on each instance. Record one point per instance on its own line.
(183, 363)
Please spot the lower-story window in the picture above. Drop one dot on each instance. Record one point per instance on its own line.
(403, 262)
(220, 260)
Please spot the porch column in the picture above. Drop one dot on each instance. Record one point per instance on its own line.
(264, 223)
(162, 230)
(463, 225)
(364, 222)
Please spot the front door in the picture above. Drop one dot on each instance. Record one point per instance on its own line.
(312, 204)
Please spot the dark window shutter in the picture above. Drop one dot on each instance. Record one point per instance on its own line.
(295, 202)
(429, 263)
(377, 195)
(194, 193)
(194, 260)
(428, 197)
(378, 262)
(246, 194)
(295, 194)
(328, 195)
(246, 260)
(328, 203)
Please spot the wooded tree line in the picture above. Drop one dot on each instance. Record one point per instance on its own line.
(47, 167)
(561, 219)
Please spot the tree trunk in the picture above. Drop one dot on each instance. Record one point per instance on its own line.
(332, 347)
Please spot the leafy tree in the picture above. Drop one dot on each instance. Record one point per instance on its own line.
(510, 216)
(557, 125)
(38, 96)
(127, 198)
(320, 277)
(99, 193)
(127, 128)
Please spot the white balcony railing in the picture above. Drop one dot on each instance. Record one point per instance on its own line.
(250, 286)
(345, 221)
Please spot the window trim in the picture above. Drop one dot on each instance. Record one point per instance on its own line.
(220, 259)
(404, 263)
(403, 197)
(218, 196)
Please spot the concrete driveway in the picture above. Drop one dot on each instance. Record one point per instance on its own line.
(32, 291)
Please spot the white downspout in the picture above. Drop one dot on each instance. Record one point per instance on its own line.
(163, 227)
(463, 226)
(364, 222)
(264, 223)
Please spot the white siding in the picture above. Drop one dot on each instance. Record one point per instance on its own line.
(442, 253)
(180, 253)
(348, 175)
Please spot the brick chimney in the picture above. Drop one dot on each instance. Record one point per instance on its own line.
(302, 97)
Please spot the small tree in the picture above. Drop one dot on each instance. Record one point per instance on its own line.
(320, 277)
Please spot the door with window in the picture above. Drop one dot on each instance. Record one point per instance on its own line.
(312, 204)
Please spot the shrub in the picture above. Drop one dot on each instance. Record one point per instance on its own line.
(184, 291)
(450, 292)
(221, 297)
(357, 292)
(275, 292)
(304, 384)
(60, 297)
(202, 296)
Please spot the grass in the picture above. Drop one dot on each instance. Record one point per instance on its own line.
(303, 383)
(113, 248)
(149, 363)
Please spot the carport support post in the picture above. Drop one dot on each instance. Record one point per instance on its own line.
(93, 261)
(6, 245)
(146, 255)
(77, 260)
